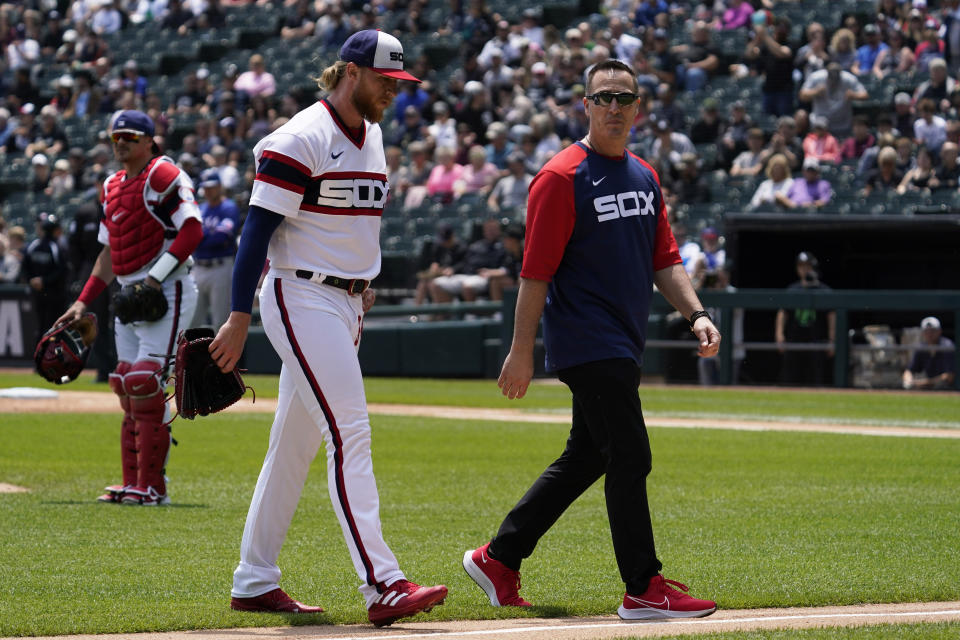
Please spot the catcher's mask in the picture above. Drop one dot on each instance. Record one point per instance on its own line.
(62, 352)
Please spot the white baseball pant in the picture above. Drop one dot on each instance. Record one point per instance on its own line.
(214, 286)
(315, 329)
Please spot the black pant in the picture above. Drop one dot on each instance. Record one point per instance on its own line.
(608, 436)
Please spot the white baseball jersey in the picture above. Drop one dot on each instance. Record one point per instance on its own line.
(330, 186)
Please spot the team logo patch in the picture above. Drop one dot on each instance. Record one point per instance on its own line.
(349, 193)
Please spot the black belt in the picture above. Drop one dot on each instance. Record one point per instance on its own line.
(353, 286)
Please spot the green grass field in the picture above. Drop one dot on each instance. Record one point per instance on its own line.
(750, 519)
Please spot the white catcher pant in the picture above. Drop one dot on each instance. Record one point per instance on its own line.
(315, 329)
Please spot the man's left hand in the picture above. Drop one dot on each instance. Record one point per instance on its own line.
(708, 336)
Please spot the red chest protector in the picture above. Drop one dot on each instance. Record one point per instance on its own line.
(136, 233)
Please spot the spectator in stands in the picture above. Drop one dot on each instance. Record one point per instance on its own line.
(478, 174)
(499, 146)
(647, 11)
(510, 192)
(938, 88)
(905, 155)
(951, 34)
(208, 15)
(690, 186)
(785, 141)
(40, 172)
(508, 274)
(669, 146)
(928, 368)
(408, 130)
(751, 161)
(812, 191)
(699, 59)
(475, 108)
(931, 47)
(666, 108)
(176, 16)
(501, 43)
(48, 137)
(52, 37)
(861, 140)
(9, 262)
(438, 258)
(132, 80)
(770, 54)
(63, 98)
(61, 182)
(903, 113)
(7, 126)
(23, 91)
(711, 257)
(734, 138)
(548, 142)
(820, 144)
(465, 139)
(663, 63)
(886, 176)
(443, 131)
(920, 177)
(929, 129)
(896, 58)
(398, 174)
(708, 127)
(23, 51)
(948, 171)
(409, 94)
(868, 52)
(832, 92)
(812, 56)
(106, 19)
(689, 249)
(843, 49)
(229, 175)
(257, 81)
(771, 191)
(66, 53)
(530, 26)
(623, 45)
(443, 175)
(471, 278)
(805, 326)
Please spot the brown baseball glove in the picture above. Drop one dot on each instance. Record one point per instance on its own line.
(200, 388)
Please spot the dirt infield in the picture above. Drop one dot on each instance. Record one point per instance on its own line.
(600, 627)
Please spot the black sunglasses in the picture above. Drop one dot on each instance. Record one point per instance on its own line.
(604, 98)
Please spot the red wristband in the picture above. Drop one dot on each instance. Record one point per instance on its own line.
(92, 289)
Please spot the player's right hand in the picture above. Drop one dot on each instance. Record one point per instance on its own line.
(72, 313)
(227, 346)
(516, 374)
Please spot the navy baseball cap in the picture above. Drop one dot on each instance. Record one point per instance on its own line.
(377, 50)
(133, 122)
(210, 178)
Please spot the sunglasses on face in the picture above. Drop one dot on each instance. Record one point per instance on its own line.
(604, 98)
(127, 136)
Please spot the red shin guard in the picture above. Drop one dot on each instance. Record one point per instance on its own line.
(128, 429)
(147, 406)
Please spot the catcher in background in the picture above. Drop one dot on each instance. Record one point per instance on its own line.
(151, 225)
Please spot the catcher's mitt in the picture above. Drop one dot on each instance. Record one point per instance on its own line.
(62, 352)
(139, 302)
(200, 388)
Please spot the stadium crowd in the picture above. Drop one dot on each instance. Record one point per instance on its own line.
(477, 130)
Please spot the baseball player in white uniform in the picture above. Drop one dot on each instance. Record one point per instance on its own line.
(315, 212)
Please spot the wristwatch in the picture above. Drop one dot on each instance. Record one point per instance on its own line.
(697, 315)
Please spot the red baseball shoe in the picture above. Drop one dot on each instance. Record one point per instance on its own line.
(114, 494)
(499, 582)
(403, 599)
(275, 601)
(661, 600)
(146, 497)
